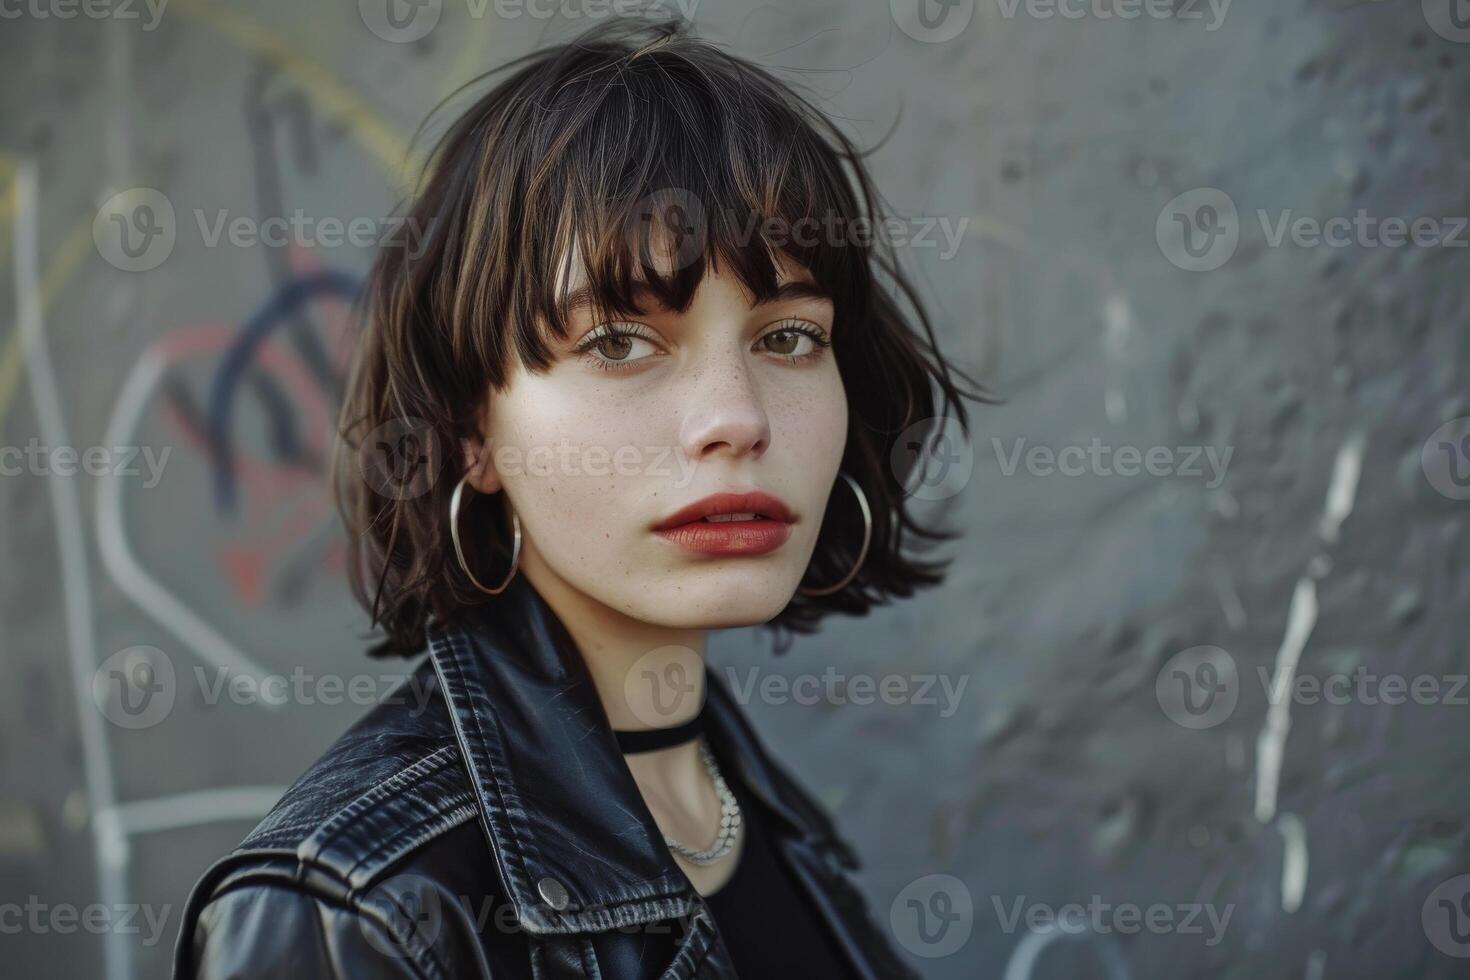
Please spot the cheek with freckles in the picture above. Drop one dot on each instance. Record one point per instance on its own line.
(577, 475)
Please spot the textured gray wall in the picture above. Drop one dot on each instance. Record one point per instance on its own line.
(1109, 639)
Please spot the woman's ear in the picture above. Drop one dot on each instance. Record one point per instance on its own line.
(478, 454)
(479, 465)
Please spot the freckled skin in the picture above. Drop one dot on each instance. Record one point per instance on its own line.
(707, 388)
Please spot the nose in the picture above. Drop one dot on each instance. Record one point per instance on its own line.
(726, 414)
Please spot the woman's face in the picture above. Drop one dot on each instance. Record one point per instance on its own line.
(641, 417)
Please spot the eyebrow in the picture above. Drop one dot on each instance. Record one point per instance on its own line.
(795, 289)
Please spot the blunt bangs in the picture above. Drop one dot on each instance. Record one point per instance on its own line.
(648, 170)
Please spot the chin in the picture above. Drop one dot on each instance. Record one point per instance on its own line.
(721, 599)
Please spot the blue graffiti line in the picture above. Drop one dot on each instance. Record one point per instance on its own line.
(238, 358)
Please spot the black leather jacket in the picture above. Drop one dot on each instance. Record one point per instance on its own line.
(497, 832)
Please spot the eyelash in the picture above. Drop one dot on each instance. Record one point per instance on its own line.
(636, 330)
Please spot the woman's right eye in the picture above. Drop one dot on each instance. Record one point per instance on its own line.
(611, 348)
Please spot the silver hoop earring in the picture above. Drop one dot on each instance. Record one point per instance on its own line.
(515, 550)
(862, 499)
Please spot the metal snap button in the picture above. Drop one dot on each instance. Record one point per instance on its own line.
(553, 893)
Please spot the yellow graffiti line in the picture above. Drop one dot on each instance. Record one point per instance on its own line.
(379, 137)
(59, 270)
(376, 135)
(467, 63)
(7, 203)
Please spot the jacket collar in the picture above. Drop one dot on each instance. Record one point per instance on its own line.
(576, 847)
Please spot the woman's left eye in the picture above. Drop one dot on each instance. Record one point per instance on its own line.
(795, 341)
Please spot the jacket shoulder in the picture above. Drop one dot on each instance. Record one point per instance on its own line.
(325, 860)
(388, 784)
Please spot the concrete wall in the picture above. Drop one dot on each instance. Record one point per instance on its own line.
(1232, 463)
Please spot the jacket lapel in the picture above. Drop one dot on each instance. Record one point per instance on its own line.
(558, 804)
(576, 848)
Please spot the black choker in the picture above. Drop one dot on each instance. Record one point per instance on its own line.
(649, 739)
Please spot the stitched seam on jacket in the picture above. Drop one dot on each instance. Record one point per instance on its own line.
(383, 791)
(318, 827)
(511, 860)
(510, 818)
(405, 835)
(589, 960)
(695, 958)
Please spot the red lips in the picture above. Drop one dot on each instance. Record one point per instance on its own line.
(754, 502)
(771, 526)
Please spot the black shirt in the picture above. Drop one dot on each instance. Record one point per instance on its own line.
(765, 921)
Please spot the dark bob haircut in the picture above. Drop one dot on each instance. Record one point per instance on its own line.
(598, 149)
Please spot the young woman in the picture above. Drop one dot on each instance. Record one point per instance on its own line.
(650, 342)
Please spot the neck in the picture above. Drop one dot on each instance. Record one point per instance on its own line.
(646, 676)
